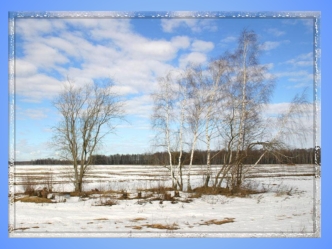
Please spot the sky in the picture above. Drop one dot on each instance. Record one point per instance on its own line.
(133, 53)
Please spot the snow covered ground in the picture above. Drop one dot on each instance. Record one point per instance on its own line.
(287, 209)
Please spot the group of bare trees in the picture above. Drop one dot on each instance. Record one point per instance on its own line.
(217, 106)
(223, 103)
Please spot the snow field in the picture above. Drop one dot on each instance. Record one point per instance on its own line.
(287, 208)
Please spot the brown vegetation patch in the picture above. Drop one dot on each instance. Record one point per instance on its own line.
(34, 199)
(101, 219)
(74, 194)
(143, 195)
(124, 196)
(158, 190)
(137, 219)
(240, 192)
(108, 202)
(173, 226)
(22, 228)
(218, 222)
(195, 195)
(209, 191)
(135, 227)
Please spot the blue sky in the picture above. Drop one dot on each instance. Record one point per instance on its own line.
(133, 53)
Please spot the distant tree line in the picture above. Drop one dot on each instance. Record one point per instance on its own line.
(45, 161)
(295, 156)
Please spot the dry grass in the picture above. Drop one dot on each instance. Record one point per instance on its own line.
(158, 190)
(195, 195)
(218, 222)
(173, 226)
(146, 195)
(22, 228)
(75, 194)
(108, 202)
(136, 227)
(34, 199)
(240, 192)
(284, 190)
(168, 197)
(101, 219)
(137, 219)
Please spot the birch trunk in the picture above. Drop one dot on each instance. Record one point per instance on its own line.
(191, 161)
(236, 181)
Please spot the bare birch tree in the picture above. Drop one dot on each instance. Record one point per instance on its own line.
(181, 106)
(225, 101)
(217, 77)
(243, 125)
(163, 117)
(195, 111)
(84, 111)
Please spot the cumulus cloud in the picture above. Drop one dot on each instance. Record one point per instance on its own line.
(140, 106)
(192, 58)
(35, 87)
(24, 68)
(87, 49)
(195, 25)
(202, 46)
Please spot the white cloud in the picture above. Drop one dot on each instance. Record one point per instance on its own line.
(275, 32)
(169, 25)
(123, 90)
(29, 29)
(297, 76)
(140, 106)
(24, 68)
(192, 58)
(98, 49)
(302, 60)
(43, 55)
(196, 26)
(180, 42)
(229, 39)
(34, 113)
(202, 46)
(307, 23)
(277, 108)
(36, 87)
(26, 150)
(269, 45)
